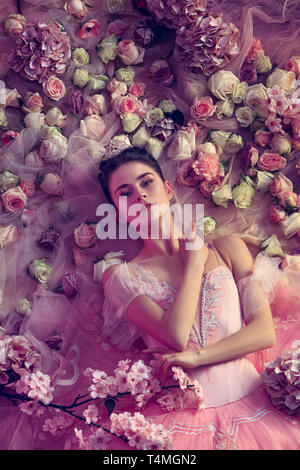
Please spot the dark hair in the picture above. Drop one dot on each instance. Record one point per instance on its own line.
(132, 154)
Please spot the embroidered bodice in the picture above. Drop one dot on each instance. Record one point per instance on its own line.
(218, 315)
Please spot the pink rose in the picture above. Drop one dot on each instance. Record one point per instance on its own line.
(54, 88)
(8, 136)
(248, 156)
(76, 8)
(271, 162)
(28, 187)
(85, 235)
(203, 108)
(8, 235)
(14, 24)
(280, 184)
(33, 103)
(52, 184)
(14, 199)
(125, 104)
(207, 187)
(137, 89)
(288, 199)
(116, 88)
(262, 137)
(92, 127)
(293, 65)
(255, 49)
(94, 104)
(296, 128)
(34, 159)
(130, 53)
(90, 29)
(295, 143)
(277, 214)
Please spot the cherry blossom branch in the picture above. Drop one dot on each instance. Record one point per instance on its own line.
(19, 8)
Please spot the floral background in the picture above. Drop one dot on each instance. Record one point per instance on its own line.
(201, 87)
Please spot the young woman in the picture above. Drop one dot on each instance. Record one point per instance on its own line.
(185, 305)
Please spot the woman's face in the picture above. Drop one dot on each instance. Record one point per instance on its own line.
(139, 183)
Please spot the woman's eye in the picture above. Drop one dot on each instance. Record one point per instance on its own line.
(125, 194)
(146, 183)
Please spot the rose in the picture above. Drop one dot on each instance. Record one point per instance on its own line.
(222, 84)
(85, 235)
(209, 224)
(282, 78)
(220, 137)
(255, 97)
(207, 187)
(12, 98)
(94, 104)
(125, 74)
(272, 247)
(221, 195)
(8, 136)
(108, 48)
(291, 225)
(140, 137)
(207, 147)
(182, 145)
(280, 184)
(23, 306)
(28, 187)
(116, 88)
(48, 239)
(8, 235)
(125, 104)
(70, 284)
(108, 260)
(80, 56)
(296, 128)
(154, 147)
(54, 149)
(80, 77)
(14, 199)
(33, 103)
(3, 119)
(54, 88)
(98, 82)
(224, 107)
(130, 53)
(167, 106)
(92, 126)
(271, 162)
(153, 116)
(54, 117)
(34, 159)
(52, 184)
(277, 214)
(248, 74)
(114, 6)
(161, 72)
(76, 8)
(117, 27)
(244, 115)
(14, 24)
(263, 179)
(293, 65)
(239, 92)
(8, 180)
(234, 144)
(90, 29)
(262, 137)
(281, 144)
(255, 49)
(242, 195)
(76, 102)
(263, 63)
(130, 121)
(39, 270)
(202, 108)
(137, 89)
(248, 156)
(35, 120)
(288, 199)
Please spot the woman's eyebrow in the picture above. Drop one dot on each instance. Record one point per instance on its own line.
(138, 178)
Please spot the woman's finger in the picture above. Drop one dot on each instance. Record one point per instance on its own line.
(155, 350)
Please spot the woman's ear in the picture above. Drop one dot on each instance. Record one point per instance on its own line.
(169, 189)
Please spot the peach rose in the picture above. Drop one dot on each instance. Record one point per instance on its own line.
(293, 65)
(85, 235)
(52, 184)
(8, 234)
(54, 88)
(94, 104)
(14, 199)
(288, 199)
(33, 103)
(28, 187)
(280, 184)
(271, 162)
(76, 8)
(34, 159)
(255, 49)
(277, 214)
(130, 53)
(116, 88)
(137, 89)
(203, 108)
(92, 127)
(262, 137)
(125, 104)
(13, 98)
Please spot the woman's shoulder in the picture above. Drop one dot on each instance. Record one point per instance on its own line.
(236, 254)
(109, 272)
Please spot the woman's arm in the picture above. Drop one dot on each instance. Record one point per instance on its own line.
(258, 334)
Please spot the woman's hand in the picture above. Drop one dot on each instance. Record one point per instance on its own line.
(170, 357)
(193, 256)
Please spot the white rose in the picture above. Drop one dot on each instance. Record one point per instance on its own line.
(207, 147)
(154, 147)
(239, 92)
(153, 116)
(80, 77)
(209, 224)
(263, 63)
(98, 82)
(255, 96)
(140, 137)
(282, 78)
(234, 144)
(39, 270)
(130, 121)
(182, 145)
(245, 116)
(221, 196)
(263, 179)
(222, 84)
(291, 225)
(224, 108)
(54, 117)
(111, 258)
(23, 306)
(167, 106)
(281, 144)
(35, 120)
(54, 149)
(220, 137)
(108, 48)
(8, 180)
(272, 247)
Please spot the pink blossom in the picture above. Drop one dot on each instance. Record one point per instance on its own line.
(32, 408)
(277, 102)
(99, 439)
(125, 104)
(58, 423)
(89, 29)
(273, 123)
(181, 376)
(36, 386)
(91, 414)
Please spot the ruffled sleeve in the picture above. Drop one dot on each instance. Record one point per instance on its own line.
(120, 290)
